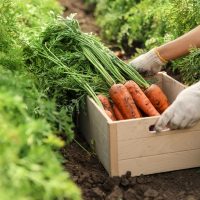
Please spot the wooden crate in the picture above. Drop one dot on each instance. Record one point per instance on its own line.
(128, 145)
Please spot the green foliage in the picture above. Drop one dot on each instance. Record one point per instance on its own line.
(182, 16)
(68, 61)
(30, 168)
(12, 57)
(189, 67)
(149, 23)
(38, 105)
(11, 54)
(29, 120)
(135, 22)
(174, 18)
(138, 22)
(110, 16)
(61, 68)
(33, 16)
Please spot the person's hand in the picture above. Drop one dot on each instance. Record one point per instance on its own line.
(149, 63)
(184, 112)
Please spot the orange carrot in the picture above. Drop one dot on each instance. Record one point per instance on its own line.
(110, 115)
(141, 99)
(105, 102)
(118, 114)
(157, 98)
(107, 106)
(123, 100)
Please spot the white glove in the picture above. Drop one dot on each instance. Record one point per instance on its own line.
(150, 62)
(184, 112)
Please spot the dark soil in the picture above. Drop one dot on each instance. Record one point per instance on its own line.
(83, 14)
(91, 177)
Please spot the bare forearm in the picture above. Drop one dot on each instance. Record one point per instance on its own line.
(181, 46)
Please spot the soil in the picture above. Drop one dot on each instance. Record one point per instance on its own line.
(84, 14)
(88, 173)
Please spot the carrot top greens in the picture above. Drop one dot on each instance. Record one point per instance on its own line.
(69, 61)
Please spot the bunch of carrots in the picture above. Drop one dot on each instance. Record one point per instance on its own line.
(130, 101)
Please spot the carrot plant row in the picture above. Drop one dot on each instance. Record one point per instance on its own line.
(133, 24)
(30, 121)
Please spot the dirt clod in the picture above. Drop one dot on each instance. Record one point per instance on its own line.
(140, 179)
(190, 197)
(151, 193)
(124, 181)
(108, 185)
(116, 194)
(130, 194)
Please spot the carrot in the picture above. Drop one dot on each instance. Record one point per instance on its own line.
(107, 106)
(123, 100)
(110, 115)
(118, 114)
(105, 102)
(157, 97)
(141, 99)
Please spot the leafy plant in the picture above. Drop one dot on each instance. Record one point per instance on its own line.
(12, 57)
(110, 16)
(29, 121)
(189, 67)
(147, 23)
(30, 167)
(32, 16)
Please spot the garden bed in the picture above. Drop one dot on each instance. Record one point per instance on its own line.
(90, 175)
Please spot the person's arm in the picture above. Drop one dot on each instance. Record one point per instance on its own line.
(152, 61)
(181, 46)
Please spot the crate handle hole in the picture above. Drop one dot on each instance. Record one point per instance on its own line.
(152, 128)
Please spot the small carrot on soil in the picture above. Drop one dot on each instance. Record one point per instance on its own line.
(157, 98)
(123, 100)
(141, 99)
(118, 114)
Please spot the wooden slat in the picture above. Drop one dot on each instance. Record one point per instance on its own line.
(161, 163)
(139, 128)
(171, 87)
(113, 151)
(95, 127)
(158, 145)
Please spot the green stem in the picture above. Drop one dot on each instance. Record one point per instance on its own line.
(131, 72)
(79, 78)
(98, 66)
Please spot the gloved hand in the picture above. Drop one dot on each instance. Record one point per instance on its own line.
(184, 112)
(149, 63)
